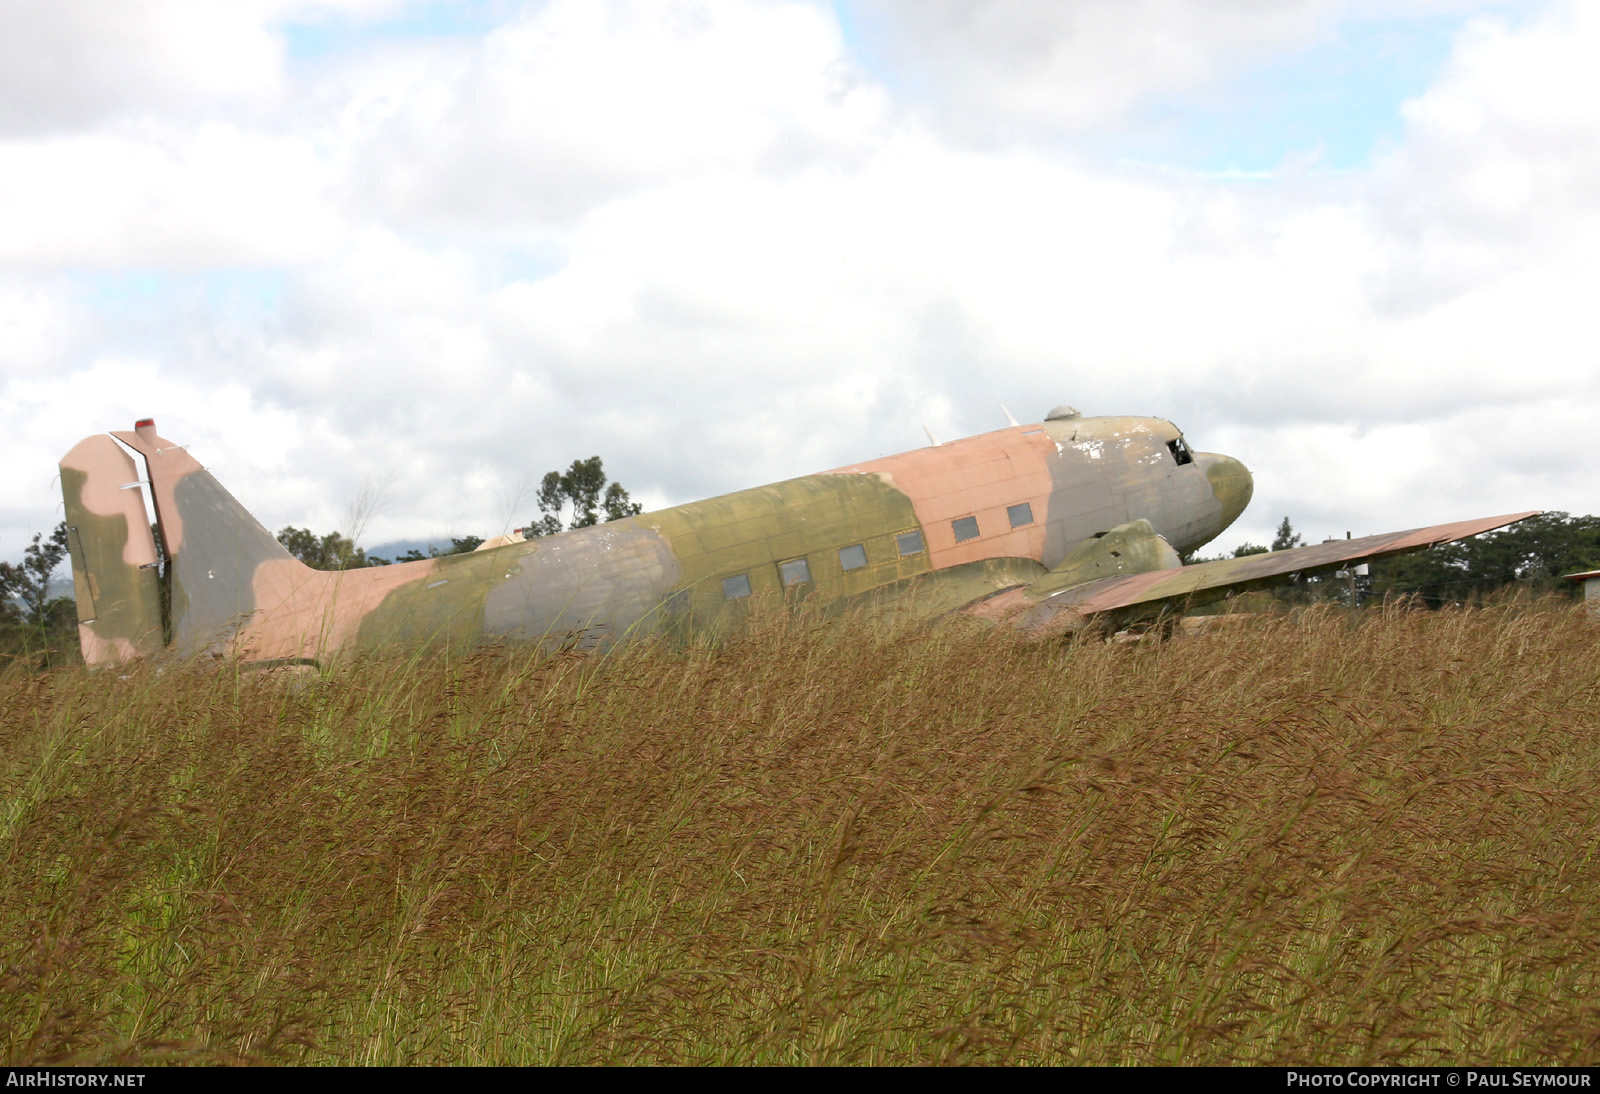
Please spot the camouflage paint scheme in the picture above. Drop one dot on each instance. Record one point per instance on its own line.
(114, 570)
(1033, 525)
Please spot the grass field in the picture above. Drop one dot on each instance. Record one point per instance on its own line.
(1321, 839)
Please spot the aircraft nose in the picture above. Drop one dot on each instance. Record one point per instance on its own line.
(1230, 482)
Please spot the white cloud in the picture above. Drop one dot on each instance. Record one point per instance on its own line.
(1007, 69)
(1480, 460)
(994, 72)
(71, 63)
(41, 327)
(575, 103)
(701, 241)
(160, 197)
(1501, 162)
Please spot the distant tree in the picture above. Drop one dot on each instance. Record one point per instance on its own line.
(330, 552)
(29, 580)
(464, 545)
(10, 592)
(1247, 548)
(580, 491)
(1298, 589)
(1286, 538)
(1534, 554)
(34, 626)
(336, 552)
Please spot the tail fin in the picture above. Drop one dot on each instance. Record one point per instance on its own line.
(232, 587)
(114, 567)
(212, 544)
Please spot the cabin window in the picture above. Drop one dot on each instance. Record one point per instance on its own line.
(1180, 452)
(909, 543)
(736, 587)
(1020, 514)
(965, 528)
(794, 572)
(853, 557)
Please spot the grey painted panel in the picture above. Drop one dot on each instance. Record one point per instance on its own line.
(602, 581)
(1109, 471)
(212, 576)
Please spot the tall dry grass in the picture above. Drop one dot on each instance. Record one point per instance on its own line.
(1326, 839)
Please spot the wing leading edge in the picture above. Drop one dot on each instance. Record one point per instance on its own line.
(1131, 597)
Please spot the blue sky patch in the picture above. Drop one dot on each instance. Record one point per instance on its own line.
(142, 304)
(332, 34)
(1329, 107)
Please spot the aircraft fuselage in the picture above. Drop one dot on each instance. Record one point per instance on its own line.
(999, 507)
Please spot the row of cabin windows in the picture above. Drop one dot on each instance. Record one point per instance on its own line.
(796, 571)
(966, 528)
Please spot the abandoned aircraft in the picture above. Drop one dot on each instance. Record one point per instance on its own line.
(1042, 527)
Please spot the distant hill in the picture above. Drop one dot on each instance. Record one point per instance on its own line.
(395, 548)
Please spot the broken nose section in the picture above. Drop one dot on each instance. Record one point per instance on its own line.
(1231, 482)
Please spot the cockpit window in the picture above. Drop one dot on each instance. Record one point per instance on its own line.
(1180, 451)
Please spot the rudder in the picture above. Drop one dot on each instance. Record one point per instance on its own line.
(212, 544)
(115, 578)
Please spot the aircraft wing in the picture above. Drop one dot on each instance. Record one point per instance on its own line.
(1134, 596)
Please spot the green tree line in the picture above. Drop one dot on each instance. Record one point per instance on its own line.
(334, 551)
(33, 624)
(579, 497)
(1535, 555)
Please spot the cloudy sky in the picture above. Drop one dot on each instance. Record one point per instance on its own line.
(404, 257)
